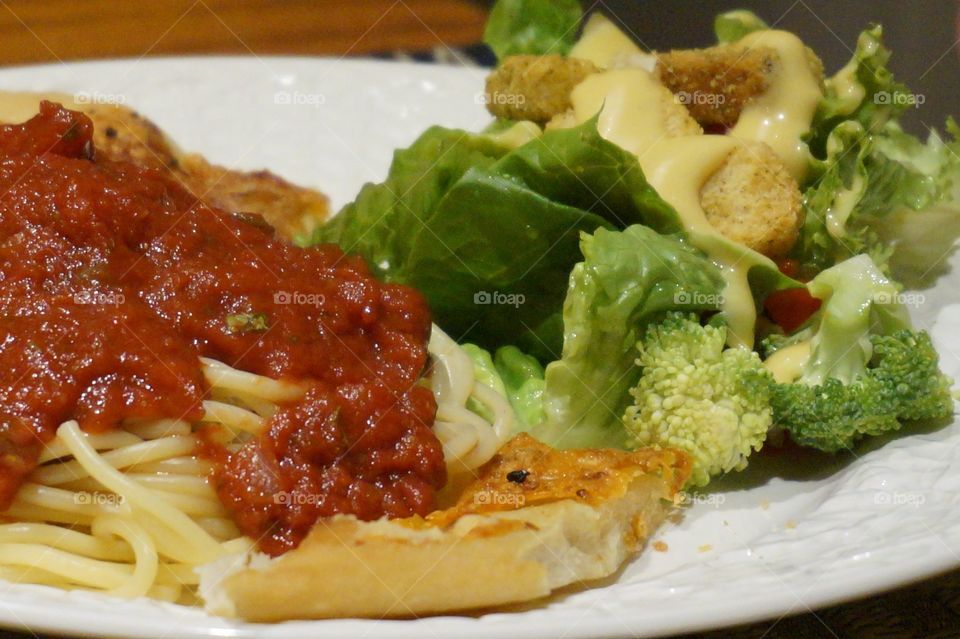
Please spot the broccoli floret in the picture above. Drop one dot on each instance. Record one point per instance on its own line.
(867, 371)
(698, 397)
(902, 383)
(907, 363)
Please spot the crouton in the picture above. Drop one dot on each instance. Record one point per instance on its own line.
(529, 87)
(752, 199)
(717, 83)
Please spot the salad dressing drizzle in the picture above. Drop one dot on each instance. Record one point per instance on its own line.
(786, 365)
(782, 115)
(604, 44)
(677, 167)
(846, 87)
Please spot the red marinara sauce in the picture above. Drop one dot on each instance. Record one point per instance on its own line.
(114, 280)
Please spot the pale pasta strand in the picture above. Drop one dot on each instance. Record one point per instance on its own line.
(132, 512)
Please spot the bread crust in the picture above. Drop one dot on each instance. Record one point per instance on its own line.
(576, 516)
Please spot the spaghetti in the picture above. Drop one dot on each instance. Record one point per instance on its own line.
(177, 385)
(132, 512)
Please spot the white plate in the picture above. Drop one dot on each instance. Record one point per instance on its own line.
(771, 544)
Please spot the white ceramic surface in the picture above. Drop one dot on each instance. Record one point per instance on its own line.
(776, 540)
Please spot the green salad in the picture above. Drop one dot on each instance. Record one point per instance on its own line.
(693, 249)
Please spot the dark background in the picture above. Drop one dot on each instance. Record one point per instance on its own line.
(922, 34)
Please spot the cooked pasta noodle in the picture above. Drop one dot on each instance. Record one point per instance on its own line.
(469, 440)
(131, 512)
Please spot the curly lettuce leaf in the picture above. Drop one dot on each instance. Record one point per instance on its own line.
(626, 280)
(485, 373)
(514, 375)
(731, 26)
(878, 190)
(534, 27)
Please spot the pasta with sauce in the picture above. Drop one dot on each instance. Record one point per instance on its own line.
(178, 385)
(131, 512)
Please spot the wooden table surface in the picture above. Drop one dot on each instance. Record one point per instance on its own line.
(50, 30)
(63, 30)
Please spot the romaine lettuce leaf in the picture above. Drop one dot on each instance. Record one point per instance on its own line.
(523, 379)
(626, 280)
(534, 27)
(379, 223)
(489, 236)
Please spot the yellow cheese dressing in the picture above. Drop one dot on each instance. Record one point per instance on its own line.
(842, 206)
(678, 168)
(847, 88)
(783, 113)
(786, 365)
(603, 42)
(632, 117)
(517, 135)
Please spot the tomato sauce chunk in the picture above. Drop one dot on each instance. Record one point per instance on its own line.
(115, 280)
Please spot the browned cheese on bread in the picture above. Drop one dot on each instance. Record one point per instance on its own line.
(534, 520)
(120, 133)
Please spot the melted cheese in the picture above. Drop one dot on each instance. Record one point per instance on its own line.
(783, 113)
(786, 365)
(603, 43)
(633, 117)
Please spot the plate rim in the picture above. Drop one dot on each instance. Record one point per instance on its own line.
(767, 605)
